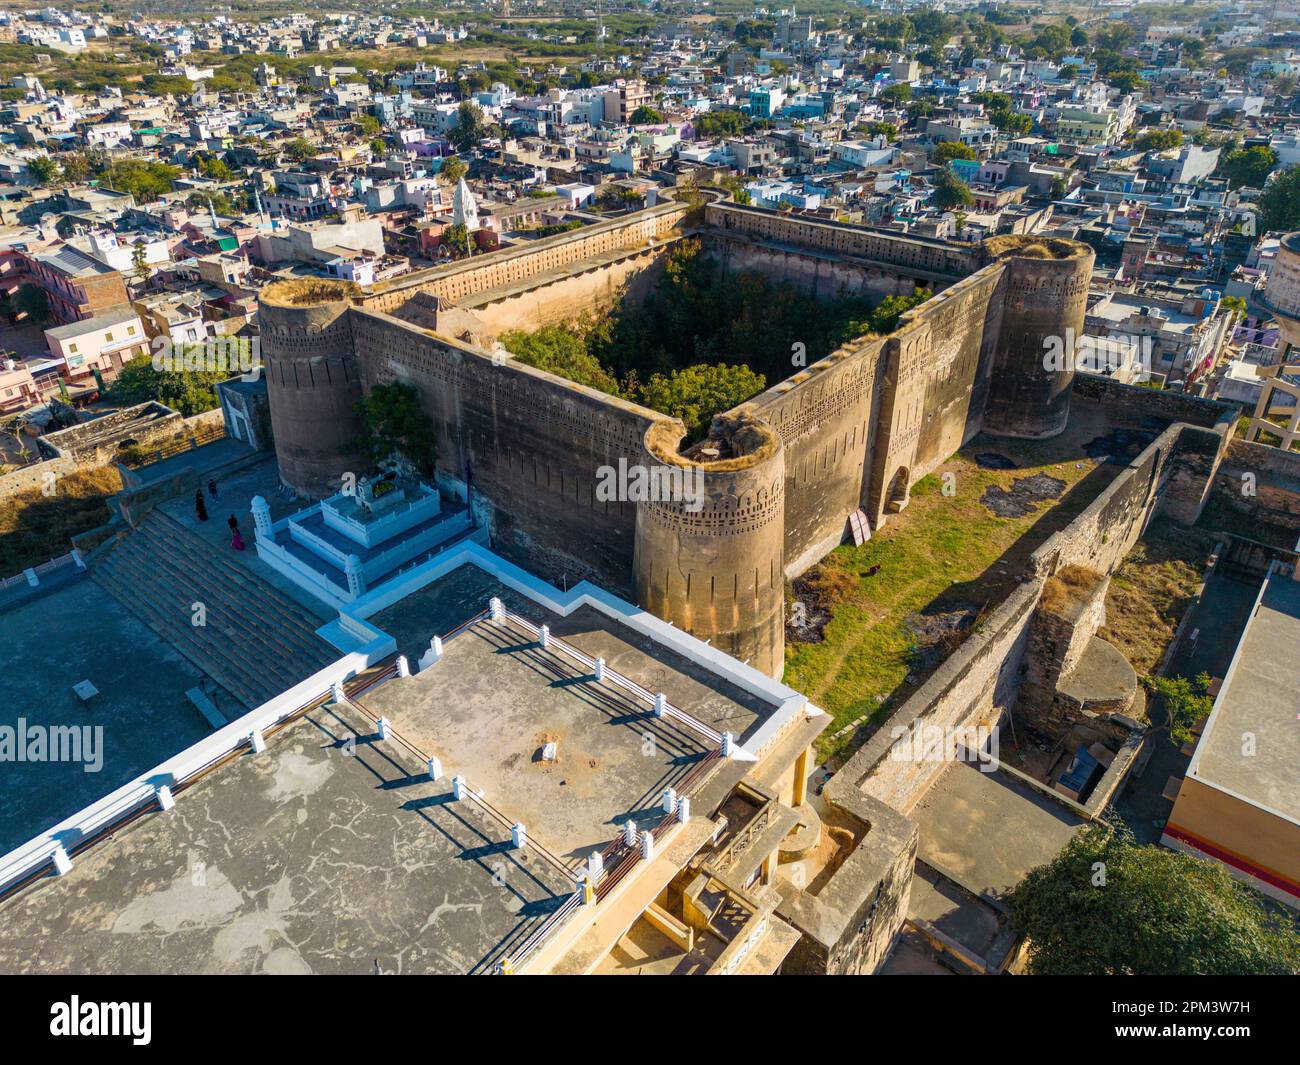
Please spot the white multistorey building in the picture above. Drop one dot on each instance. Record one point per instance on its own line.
(1278, 409)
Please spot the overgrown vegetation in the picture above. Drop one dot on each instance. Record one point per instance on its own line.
(946, 558)
(1151, 591)
(394, 424)
(1109, 906)
(188, 391)
(701, 343)
(35, 527)
(1185, 702)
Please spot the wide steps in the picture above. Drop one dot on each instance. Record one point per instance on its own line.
(255, 641)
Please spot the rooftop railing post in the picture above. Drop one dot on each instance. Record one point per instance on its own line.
(647, 846)
(435, 769)
(629, 833)
(600, 669)
(257, 740)
(403, 666)
(165, 798)
(661, 704)
(519, 835)
(669, 800)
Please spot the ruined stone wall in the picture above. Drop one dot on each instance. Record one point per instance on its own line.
(528, 444)
(618, 281)
(1271, 474)
(910, 255)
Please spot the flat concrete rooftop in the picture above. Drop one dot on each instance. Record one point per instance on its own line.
(330, 852)
(986, 831)
(496, 698)
(1260, 698)
(448, 602)
(80, 632)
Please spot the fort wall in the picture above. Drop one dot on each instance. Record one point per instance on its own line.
(714, 564)
(526, 446)
(513, 266)
(313, 381)
(1043, 297)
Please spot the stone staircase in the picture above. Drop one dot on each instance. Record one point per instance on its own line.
(256, 642)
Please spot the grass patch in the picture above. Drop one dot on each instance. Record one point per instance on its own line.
(1151, 591)
(35, 528)
(939, 554)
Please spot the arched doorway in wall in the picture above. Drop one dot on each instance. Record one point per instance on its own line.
(897, 498)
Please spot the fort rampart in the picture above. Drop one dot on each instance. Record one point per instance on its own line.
(854, 430)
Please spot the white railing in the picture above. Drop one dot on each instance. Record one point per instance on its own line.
(390, 523)
(45, 567)
(617, 679)
(140, 794)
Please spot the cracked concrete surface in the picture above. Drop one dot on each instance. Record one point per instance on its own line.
(318, 855)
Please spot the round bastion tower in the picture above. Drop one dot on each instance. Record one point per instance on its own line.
(312, 381)
(710, 558)
(1045, 298)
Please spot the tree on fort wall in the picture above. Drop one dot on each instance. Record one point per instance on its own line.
(393, 423)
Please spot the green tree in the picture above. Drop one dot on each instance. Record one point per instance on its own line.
(1184, 703)
(1159, 140)
(43, 169)
(144, 179)
(950, 191)
(139, 261)
(215, 168)
(696, 393)
(393, 423)
(1280, 203)
(1249, 166)
(469, 128)
(299, 150)
(723, 123)
(896, 95)
(33, 302)
(1126, 81)
(452, 170)
(946, 151)
(882, 129)
(885, 315)
(190, 391)
(1107, 906)
(1011, 121)
(562, 352)
(646, 115)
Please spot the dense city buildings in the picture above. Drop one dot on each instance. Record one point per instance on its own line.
(646, 490)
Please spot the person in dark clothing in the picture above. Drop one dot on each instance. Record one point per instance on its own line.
(233, 522)
(212, 488)
(200, 511)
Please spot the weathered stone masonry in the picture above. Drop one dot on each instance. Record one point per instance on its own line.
(856, 429)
